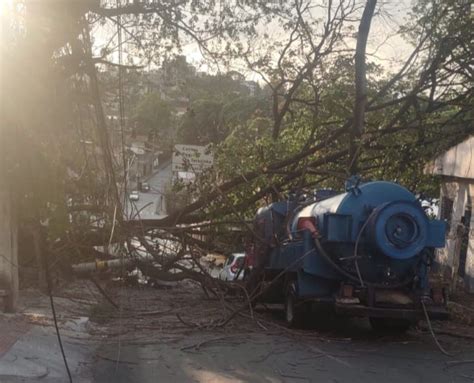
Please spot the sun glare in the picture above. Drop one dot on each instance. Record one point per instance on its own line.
(4, 5)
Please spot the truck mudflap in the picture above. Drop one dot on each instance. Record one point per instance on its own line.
(435, 312)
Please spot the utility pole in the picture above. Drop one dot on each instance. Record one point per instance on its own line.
(9, 283)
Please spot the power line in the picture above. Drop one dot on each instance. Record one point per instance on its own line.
(53, 310)
(124, 162)
(58, 334)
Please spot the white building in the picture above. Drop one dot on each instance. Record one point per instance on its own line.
(456, 167)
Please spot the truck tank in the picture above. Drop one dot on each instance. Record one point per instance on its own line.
(378, 227)
(365, 252)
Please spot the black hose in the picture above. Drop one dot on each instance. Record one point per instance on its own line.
(352, 277)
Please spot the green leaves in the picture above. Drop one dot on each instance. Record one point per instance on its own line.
(152, 116)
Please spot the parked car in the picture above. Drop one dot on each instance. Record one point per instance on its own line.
(134, 196)
(232, 266)
(145, 187)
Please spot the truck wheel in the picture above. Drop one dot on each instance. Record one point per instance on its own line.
(294, 313)
(392, 325)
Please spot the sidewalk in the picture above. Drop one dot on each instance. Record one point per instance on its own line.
(11, 330)
(29, 349)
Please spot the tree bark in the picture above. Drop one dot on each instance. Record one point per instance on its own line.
(360, 103)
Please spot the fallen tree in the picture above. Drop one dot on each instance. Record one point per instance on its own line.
(400, 119)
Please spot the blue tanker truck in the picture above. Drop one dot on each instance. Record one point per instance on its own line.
(366, 252)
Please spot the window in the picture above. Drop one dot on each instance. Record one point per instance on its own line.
(239, 261)
(229, 260)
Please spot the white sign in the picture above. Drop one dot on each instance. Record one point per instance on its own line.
(191, 158)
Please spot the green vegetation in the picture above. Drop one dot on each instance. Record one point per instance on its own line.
(66, 156)
(152, 116)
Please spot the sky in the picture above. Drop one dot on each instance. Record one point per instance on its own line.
(385, 47)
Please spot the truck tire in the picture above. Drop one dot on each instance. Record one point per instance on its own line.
(390, 325)
(294, 312)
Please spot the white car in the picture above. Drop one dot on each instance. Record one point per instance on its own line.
(232, 265)
(430, 207)
(134, 196)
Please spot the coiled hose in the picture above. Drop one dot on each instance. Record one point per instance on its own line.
(352, 277)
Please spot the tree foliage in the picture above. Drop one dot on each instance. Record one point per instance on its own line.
(152, 116)
(295, 135)
(211, 121)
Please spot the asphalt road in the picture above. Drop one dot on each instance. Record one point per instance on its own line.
(180, 342)
(170, 334)
(258, 357)
(151, 204)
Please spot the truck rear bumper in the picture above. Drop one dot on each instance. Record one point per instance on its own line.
(434, 312)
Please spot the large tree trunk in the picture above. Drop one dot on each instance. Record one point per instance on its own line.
(360, 103)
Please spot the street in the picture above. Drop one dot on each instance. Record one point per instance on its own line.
(244, 357)
(173, 334)
(192, 348)
(152, 203)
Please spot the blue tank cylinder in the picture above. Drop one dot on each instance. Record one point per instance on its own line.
(383, 215)
(398, 229)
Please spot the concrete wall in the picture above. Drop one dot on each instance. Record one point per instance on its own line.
(458, 191)
(456, 166)
(8, 251)
(469, 278)
(456, 162)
